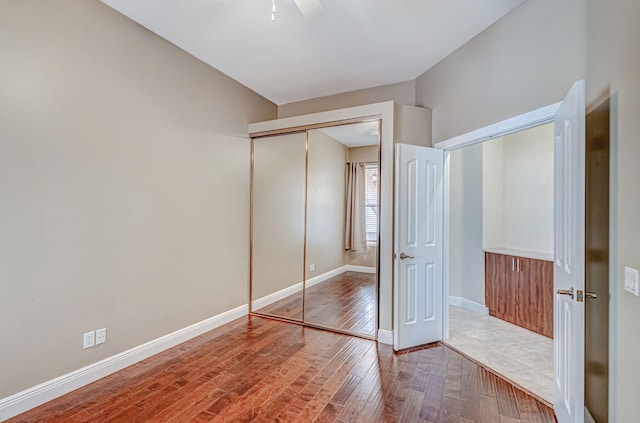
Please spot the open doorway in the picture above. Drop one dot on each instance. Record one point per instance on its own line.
(501, 195)
(568, 117)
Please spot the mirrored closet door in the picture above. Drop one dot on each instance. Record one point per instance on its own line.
(315, 227)
(342, 223)
(278, 215)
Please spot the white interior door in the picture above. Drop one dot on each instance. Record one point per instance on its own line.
(568, 277)
(418, 246)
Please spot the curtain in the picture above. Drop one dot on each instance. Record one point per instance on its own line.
(355, 235)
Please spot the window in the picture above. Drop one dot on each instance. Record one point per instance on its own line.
(371, 202)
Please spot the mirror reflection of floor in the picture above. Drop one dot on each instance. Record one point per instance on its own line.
(346, 302)
(522, 356)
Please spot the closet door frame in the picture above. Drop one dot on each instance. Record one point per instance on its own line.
(306, 129)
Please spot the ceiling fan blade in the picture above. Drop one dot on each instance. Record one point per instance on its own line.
(310, 9)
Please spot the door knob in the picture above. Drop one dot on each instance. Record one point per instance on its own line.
(592, 295)
(404, 256)
(568, 292)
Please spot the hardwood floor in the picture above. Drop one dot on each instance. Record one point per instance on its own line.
(346, 302)
(261, 370)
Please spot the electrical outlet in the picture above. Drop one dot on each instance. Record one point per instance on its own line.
(101, 336)
(631, 280)
(88, 340)
(312, 268)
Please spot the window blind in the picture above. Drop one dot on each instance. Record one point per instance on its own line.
(371, 202)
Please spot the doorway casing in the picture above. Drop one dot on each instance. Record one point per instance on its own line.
(518, 123)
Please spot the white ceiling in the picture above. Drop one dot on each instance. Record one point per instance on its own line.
(355, 44)
(355, 134)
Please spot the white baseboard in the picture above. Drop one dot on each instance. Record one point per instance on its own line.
(385, 336)
(588, 418)
(37, 395)
(469, 305)
(276, 296)
(455, 301)
(327, 275)
(361, 269)
(283, 293)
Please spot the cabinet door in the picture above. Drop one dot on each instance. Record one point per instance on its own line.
(505, 294)
(525, 295)
(535, 296)
(520, 291)
(489, 281)
(539, 275)
(497, 273)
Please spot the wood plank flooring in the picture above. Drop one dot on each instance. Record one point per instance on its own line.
(346, 302)
(260, 370)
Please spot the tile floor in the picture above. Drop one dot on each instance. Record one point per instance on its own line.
(522, 356)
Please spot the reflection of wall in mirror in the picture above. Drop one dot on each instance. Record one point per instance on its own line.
(365, 258)
(278, 213)
(325, 203)
(326, 199)
(363, 154)
(278, 224)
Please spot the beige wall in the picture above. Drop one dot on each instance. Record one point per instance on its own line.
(466, 266)
(325, 203)
(493, 193)
(518, 190)
(528, 189)
(528, 59)
(612, 70)
(501, 195)
(363, 154)
(366, 258)
(278, 213)
(124, 190)
(403, 93)
(118, 149)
